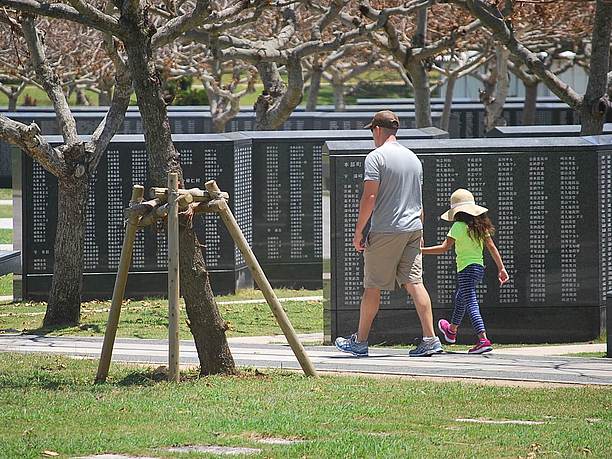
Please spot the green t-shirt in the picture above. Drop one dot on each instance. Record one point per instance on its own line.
(468, 250)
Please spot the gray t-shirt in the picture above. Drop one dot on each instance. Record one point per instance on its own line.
(399, 200)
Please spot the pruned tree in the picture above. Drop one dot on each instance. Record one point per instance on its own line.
(225, 83)
(454, 66)
(406, 38)
(594, 103)
(73, 163)
(132, 22)
(556, 62)
(284, 44)
(15, 70)
(224, 97)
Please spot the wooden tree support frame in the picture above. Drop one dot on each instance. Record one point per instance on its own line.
(167, 202)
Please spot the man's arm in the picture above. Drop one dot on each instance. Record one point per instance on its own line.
(366, 206)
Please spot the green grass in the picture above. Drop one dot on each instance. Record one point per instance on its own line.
(50, 404)
(6, 193)
(6, 285)
(149, 318)
(6, 236)
(381, 80)
(41, 97)
(6, 211)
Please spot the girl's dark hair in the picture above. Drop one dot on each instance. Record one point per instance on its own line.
(479, 228)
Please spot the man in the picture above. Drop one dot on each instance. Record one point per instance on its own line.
(392, 196)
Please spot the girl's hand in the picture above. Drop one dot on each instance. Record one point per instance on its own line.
(503, 276)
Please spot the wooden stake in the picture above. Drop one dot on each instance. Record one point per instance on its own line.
(119, 289)
(262, 282)
(173, 278)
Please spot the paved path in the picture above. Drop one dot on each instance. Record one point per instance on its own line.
(6, 223)
(568, 370)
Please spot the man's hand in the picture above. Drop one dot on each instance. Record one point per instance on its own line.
(503, 276)
(358, 241)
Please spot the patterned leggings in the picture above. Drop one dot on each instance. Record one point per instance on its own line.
(465, 298)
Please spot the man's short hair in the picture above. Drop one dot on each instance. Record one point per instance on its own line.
(384, 119)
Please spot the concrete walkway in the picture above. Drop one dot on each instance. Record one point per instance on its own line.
(490, 367)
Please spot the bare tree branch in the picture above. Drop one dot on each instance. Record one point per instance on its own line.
(62, 11)
(50, 81)
(30, 140)
(494, 21)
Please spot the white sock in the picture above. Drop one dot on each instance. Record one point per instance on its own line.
(428, 338)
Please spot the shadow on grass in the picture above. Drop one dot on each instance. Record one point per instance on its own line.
(144, 378)
(61, 330)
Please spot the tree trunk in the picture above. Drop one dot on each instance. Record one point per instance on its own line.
(494, 102)
(278, 100)
(218, 125)
(64, 307)
(448, 102)
(274, 89)
(12, 101)
(209, 335)
(595, 102)
(313, 91)
(81, 97)
(422, 101)
(206, 324)
(104, 98)
(529, 106)
(339, 102)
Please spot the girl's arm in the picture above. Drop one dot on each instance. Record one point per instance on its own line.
(501, 269)
(439, 249)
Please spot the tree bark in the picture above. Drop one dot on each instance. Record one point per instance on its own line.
(81, 97)
(595, 102)
(64, 304)
(104, 98)
(12, 101)
(205, 322)
(494, 102)
(208, 333)
(339, 101)
(315, 87)
(422, 99)
(448, 102)
(529, 106)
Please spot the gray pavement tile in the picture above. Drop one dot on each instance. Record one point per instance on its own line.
(553, 369)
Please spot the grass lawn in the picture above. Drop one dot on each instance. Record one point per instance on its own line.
(6, 211)
(149, 318)
(6, 285)
(6, 193)
(6, 236)
(50, 404)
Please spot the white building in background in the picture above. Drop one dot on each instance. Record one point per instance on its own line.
(468, 86)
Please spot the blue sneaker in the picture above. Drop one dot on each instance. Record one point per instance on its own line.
(427, 348)
(352, 346)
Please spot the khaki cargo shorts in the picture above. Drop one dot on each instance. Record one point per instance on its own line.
(393, 256)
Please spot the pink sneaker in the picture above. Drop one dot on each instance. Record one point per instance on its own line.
(444, 327)
(483, 345)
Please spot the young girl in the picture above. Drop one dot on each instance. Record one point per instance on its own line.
(471, 230)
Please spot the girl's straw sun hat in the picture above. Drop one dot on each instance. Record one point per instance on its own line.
(462, 201)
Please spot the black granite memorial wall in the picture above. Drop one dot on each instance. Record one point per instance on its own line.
(224, 158)
(439, 100)
(554, 222)
(287, 200)
(569, 130)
